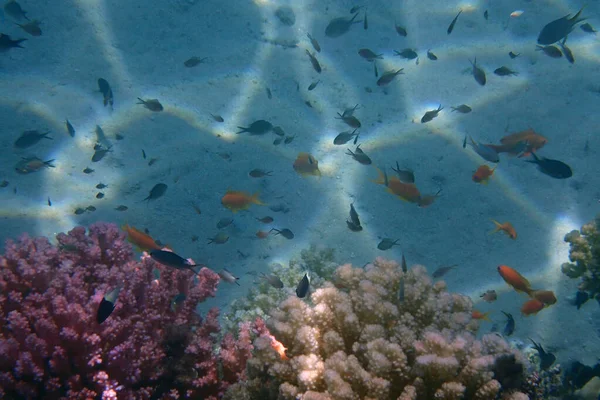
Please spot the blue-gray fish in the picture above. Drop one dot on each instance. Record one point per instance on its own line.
(157, 191)
(338, 26)
(29, 138)
(486, 152)
(559, 28)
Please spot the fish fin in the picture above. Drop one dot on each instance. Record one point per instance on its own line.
(498, 227)
(256, 200)
(380, 179)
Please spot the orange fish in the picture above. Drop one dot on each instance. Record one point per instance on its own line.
(520, 143)
(140, 239)
(532, 306)
(483, 174)
(506, 227)
(545, 296)
(405, 191)
(306, 164)
(515, 279)
(262, 234)
(278, 347)
(479, 315)
(236, 200)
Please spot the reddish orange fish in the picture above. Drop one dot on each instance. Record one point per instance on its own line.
(506, 228)
(515, 279)
(520, 143)
(278, 347)
(532, 306)
(140, 239)
(479, 315)
(483, 174)
(545, 296)
(405, 191)
(262, 234)
(306, 164)
(236, 200)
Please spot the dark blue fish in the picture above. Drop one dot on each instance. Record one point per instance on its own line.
(107, 305)
(170, 259)
(303, 286)
(509, 328)
(559, 29)
(546, 359)
(554, 168)
(157, 191)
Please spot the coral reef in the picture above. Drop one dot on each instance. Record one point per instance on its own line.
(585, 257)
(355, 340)
(52, 347)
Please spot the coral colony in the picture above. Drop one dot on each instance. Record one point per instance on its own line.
(85, 320)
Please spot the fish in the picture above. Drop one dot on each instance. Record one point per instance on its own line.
(355, 9)
(289, 139)
(121, 208)
(403, 264)
(348, 112)
(369, 55)
(339, 26)
(553, 168)
(588, 28)
(228, 276)
(505, 71)
(262, 234)
(314, 62)
(441, 271)
(475, 314)
(193, 61)
(354, 216)
(550, 51)
(349, 120)
(314, 43)
(567, 51)
(486, 15)
(277, 141)
(387, 243)
(451, 26)
(405, 191)
(156, 192)
(265, 220)
(375, 71)
(515, 279)
(431, 114)
(388, 76)
(359, 155)
(219, 238)
(177, 301)
(172, 260)
(463, 109)
(483, 174)
(405, 175)
(545, 296)
(224, 223)
(303, 286)
(100, 153)
(88, 170)
(558, 29)
(70, 128)
(365, 22)
(353, 227)
(90, 208)
(428, 199)
(7, 43)
(509, 328)
(408, 54)
(581, 297)
(259, 173)
(305, 164)
(14, 10)
(143, 154)
(532, 306)
(478, 73)
(513, 55)
(99, 195)
(431, 56)
(278, 131)
(546, 359)
(217, 117)
(49, 202)
(237, 200)
(32, 27)
(506, 227)
(400, 30)
(151, 104)
(141, 240)
(272, 280)
(286, 233)
(520, 143)
(313, 85)
(344, 137)
(101, 186)
(259, 127)
(79, 211)
(4, 183)
(28, 165)
(106, 91)
(107, 304)
(29, 138)
(489, 296)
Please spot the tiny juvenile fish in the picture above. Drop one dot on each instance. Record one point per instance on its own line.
(151, 104)
(451, 26)
(313, 60)
(354, 216)
(219, 238)
(463, 109)
(217, 117)
(400, 30)
(193, 61)
(101, 186)
(509, 328)
(489, 296)
(588, 28)
(431, 114)
(14, 10)
(156, 192)
(88, 170)
(513, 55)
(224, 223)
(121, 208)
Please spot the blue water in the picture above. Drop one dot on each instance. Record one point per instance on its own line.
(139, 47)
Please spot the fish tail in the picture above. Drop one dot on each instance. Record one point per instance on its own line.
(256, 200)
(486, 316)
(498, 227)
(381, 178)
(576, 16)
